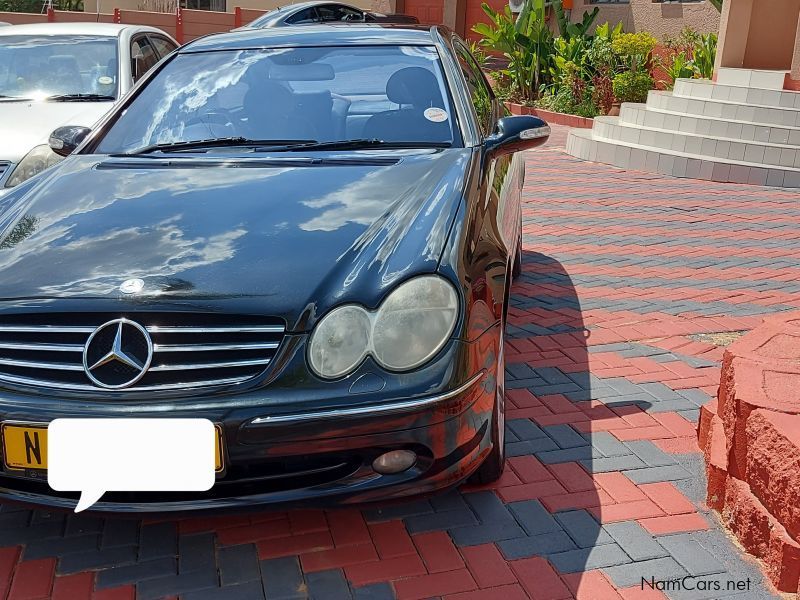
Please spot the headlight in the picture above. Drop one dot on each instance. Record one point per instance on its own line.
(35, 161)
(406, 331)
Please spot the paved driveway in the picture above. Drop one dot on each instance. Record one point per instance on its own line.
(630, 283)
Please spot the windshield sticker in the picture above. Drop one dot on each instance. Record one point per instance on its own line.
(105, 80)
(435, 115)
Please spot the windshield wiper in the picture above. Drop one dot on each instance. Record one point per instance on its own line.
(362, 143)
(80, 98)
(4, 98)
(214, 143)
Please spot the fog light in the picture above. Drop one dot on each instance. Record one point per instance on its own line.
(395, 461)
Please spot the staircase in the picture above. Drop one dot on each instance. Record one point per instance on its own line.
(743, 128)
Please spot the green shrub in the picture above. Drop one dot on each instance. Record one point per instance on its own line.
(634, 48)
(632, 86)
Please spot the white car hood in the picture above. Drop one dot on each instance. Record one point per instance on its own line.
(24, 125)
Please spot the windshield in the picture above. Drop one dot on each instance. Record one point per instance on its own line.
(38, 66)
(388, 93)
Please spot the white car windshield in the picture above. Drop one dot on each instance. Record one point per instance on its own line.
(324, 94)
(38, 67)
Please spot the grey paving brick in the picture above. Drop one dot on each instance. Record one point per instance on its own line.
(536, 545)
(485, 533)
(692, 415)
(80, 524)
(633, 574)
(440, 520)
(585, 559)
(638, 543)
(252, 590)
(375, 591)
(659, 391)
(612, 463)
(607, 444)
(282, 579)
(119, 532)
(96, 559)
(654, 474)
(622, 385)
(452, 500)
(152, 589)
(238, 564)
(561, 388)
(533, 517)
(60, 546)
(552, 375)
(398, 511)
(488, 507)
(328, 585)
(582, 527)
(567, 455)
(672, 406)
(651, 454)
(525, 429)
(196, 551)
(691, 555)
(149, 569)
(527, 447)
(17, 519)
(16, 536)
(698, 397)
(565, 436)
(157, 540)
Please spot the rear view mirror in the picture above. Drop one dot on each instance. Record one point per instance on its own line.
(64, 140)
(516, 133)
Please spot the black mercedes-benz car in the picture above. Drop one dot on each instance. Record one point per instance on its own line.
(306, 236)
(306, 13)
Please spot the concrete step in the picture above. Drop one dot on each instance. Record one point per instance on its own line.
(719, 109)
(705, 89)
(638, 114)
(761, 153)
(627, 155)
(757, 78)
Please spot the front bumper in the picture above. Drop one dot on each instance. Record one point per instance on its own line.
(313, 458)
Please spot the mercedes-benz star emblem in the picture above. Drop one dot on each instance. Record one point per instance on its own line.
(117, 354)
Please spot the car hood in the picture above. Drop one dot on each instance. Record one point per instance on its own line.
(24, 125)
(290, 235)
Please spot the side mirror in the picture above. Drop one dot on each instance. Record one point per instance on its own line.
(516, 133)
(64, 140)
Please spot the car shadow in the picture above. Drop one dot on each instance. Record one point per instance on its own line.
(563, 459)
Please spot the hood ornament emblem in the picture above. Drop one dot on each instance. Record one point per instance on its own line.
(132, 286)
(117, 354)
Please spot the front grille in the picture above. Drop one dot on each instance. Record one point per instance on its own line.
(190, 350)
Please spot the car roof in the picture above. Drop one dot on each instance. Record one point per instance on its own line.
(303, 5)
(99, 29)
(345, 34)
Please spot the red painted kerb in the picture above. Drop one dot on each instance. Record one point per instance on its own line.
(751, 440)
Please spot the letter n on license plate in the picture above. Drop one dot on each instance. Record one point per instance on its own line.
(24, 446)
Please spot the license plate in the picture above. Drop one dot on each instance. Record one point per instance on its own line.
(25, 447)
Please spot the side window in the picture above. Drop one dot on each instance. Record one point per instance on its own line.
(162, 45)
(143, 57)
(308, 15)
(332, 13)
(479, 91)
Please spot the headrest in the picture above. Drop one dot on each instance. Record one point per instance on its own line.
(414, 85)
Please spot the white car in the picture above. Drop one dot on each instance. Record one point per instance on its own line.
(55, 74)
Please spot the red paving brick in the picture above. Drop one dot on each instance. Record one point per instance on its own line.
(611, 257)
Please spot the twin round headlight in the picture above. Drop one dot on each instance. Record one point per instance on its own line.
(408, 329)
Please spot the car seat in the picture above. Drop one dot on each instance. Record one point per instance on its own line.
(415, 89)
